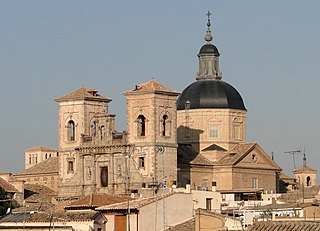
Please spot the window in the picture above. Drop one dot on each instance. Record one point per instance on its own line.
(46, 156)
(94, 128)
(254, 183)
(308, 181)
(102, 132)
(141, 162)
(208, 203)
(237, 132)
(30, 159)
(213, 131)
(71, 130)
(104, 176)
(141, 125)
(70, 166)
(165, 125)
(36, 158)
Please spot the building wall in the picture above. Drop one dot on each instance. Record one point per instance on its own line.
(152, 216)
(307, 178)
(194, 127)
(48, 180)
(36, 155)
(158, 143)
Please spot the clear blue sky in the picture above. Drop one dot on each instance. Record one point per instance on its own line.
(270, 52)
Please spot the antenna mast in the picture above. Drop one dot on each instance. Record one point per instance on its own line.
(293, 153)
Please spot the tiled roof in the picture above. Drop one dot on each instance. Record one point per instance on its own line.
(285, 226)
(7, 186)
(83, 94)
(236, 153)
(63, 216)
(50, 165)
(47, 217)
(37, 198)
(306, 192)
(151, 86)
(41, 149)
(188, 225)
(304, 168)
(201, 160)
(96, 200)
(134, 204)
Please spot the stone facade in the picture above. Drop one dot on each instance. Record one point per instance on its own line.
(38, 154)
(94, 158)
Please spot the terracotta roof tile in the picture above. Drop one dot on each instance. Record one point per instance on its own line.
(50, 165)
(285, 226)
(83, 94)
(236, 153)
(151, 86)
(201, 160)
(304, 168)
(134, 204)
(96, 200)
(8, 187)
(41, 149)
(188, 225)
(37, 198)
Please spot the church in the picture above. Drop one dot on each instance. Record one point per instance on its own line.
(196, 138)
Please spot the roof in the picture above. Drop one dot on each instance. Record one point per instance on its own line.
(285, 226)
(201, 160)
(96, 200)
(37, 198)
(134, 204)
(83, 94)
(8, 187)
(49, 217)
(236, 153)
(210, 93)
(49, 165)
(305, 192)
(305, 168)
(244, 190)
(209, 49)
(41, 149)
(188, 225)
(153, 87)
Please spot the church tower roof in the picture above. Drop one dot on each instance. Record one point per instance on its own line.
(83, 94)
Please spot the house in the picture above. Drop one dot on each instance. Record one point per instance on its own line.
(151, 213)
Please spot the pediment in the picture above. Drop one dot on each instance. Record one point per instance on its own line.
(256, 158)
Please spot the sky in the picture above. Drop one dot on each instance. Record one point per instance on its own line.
(270, 53)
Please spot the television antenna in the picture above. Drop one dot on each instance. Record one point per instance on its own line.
(293, 153)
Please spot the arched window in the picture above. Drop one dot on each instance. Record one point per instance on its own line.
(46, 156)
(94, 128)
(308, 181)
(102, 132)
(30, 159)
(71, 130)
(165, 125)
(141, 125)
(36, 158)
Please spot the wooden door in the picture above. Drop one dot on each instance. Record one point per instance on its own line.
(120, 223)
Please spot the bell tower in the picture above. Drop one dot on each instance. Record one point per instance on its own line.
(151, 124)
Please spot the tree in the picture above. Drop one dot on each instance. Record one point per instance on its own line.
(5, 202)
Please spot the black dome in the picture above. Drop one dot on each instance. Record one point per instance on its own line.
(209, 49)
(210, 94)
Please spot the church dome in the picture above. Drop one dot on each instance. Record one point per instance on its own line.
(209, 49)
(210, 94)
